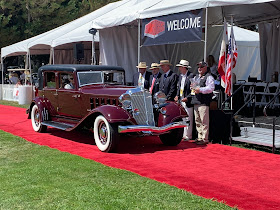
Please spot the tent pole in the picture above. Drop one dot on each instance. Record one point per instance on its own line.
(139, 43)
(53, 55)
(93, 62)
(206, 30)
(50, 60)
(30, 69)
(26, 65)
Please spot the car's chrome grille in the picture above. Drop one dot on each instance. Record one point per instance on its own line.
(143, 102)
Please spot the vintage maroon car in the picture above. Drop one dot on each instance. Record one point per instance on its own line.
(96, 97)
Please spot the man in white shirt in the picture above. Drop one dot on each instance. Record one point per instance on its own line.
(184, 96)
(201, 101)
(70, 85)
(142, 77)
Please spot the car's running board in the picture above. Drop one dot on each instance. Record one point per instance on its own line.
(58, 125)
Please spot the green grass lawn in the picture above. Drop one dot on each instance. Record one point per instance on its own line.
(38, 177)
(13, 103)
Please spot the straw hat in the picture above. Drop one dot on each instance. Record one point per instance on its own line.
(154, 66)
(142, 65)
(165, 62)
(184, 63)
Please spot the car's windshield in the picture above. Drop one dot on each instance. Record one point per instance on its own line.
(100, 77)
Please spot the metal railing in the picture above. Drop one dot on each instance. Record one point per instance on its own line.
(253, 98)
(273, 120)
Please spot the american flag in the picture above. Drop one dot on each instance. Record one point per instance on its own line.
(222, 57)
(231, 61)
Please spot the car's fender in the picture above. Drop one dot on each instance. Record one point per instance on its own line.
(113, 114)
(174, 112)
(44, 106)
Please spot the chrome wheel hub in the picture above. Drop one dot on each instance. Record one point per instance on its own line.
(103, 133)
(37, 118)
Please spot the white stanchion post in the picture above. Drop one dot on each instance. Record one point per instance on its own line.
(2, 68)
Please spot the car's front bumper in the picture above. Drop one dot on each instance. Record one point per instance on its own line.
(151, 129)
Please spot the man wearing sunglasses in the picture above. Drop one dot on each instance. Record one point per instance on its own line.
(201, 101)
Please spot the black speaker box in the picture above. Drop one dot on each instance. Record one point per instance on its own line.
(79, 51)
(219, 126)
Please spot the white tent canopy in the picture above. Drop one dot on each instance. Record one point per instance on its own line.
(244, 11)
(248, 46)
(119, 32)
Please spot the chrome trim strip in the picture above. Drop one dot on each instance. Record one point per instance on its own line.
(152, 129)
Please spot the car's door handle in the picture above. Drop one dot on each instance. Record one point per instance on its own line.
(76, 96)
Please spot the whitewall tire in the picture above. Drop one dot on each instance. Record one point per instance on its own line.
(36, 120)
(105, 134)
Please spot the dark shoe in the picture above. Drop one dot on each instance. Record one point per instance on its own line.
(196, 140)
(202, 142)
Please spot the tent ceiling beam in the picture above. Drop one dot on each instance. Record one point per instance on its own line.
(257, 20)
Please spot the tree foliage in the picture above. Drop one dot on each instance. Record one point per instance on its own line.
(22, 19)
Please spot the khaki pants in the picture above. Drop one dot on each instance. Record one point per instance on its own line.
(201, 115)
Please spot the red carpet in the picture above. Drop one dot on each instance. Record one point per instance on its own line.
(239, 177)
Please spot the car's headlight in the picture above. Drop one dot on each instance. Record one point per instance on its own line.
(160, 97)
(125, 100)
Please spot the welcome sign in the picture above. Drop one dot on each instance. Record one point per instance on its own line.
(175, 28)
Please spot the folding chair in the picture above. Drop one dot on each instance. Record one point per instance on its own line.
(248, 91)
(271, 91)
(260, 94)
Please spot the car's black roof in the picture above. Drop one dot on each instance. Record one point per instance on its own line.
(78, 67)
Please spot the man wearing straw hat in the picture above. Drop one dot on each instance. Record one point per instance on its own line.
(168, 81)
(154, 78)
(142, 77)
(184, 96)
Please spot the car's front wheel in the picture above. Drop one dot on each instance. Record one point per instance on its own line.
(173, 138)
(105, 134)
(36, 120)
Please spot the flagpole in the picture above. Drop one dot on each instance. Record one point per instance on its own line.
(231, 63)
(226, 58)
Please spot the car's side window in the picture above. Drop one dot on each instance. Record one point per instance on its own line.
(66, 81)
(50, 80)
(87, 78)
